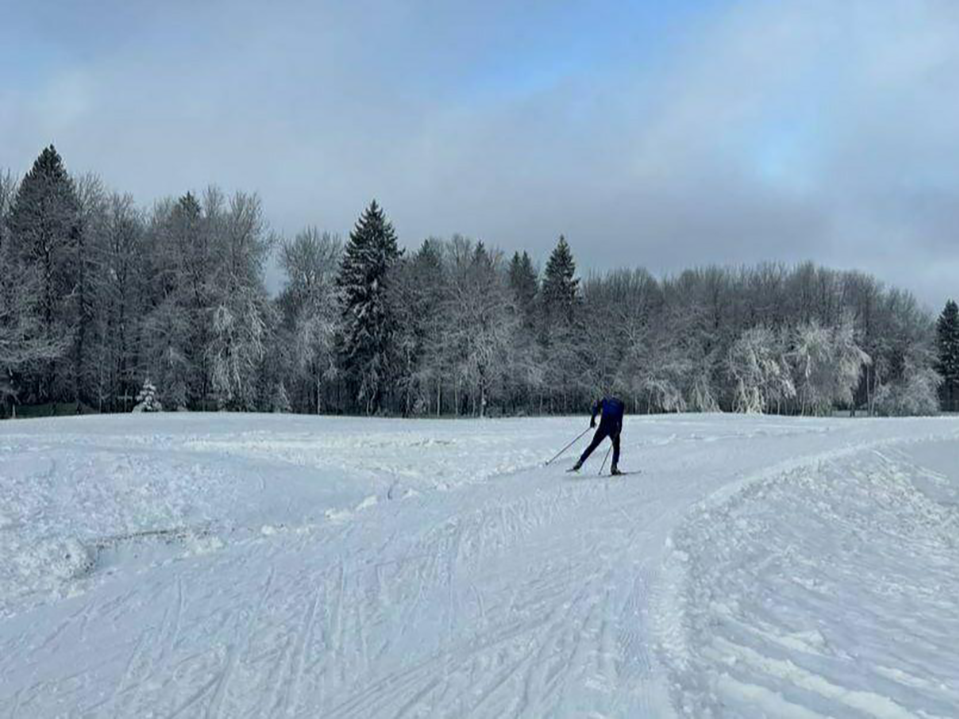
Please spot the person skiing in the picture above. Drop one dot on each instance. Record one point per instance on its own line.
(610, 425)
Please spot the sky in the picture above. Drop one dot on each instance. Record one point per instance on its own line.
(658, 134)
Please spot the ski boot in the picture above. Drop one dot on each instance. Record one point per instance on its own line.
(615, 471)
(576, 467)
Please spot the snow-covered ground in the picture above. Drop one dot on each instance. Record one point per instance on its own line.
(234, 566)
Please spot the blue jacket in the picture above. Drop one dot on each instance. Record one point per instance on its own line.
(613, 410)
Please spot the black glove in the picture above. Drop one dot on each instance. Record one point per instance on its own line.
(592, 423)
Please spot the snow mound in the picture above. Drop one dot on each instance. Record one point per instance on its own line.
(828, 591)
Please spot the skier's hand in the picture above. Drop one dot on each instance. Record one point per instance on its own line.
(592, 423)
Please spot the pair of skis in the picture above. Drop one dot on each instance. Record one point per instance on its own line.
(557, 455)
(621, 474)
(603, 466)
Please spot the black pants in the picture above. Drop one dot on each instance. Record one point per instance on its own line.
(602, 432)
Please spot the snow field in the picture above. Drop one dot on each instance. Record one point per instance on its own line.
(829, 590)
(248, 565)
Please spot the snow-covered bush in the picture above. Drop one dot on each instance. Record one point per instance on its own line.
(147, 399)
(916, 393)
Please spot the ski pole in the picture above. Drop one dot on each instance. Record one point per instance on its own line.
(568, 446)
(604, 459)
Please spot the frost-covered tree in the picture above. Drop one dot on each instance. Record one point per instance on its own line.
(239, 328)
(415, 292)
(281, 400)
(8, 190)
(561, 347)
(903, 335)
(43, 228)
(235, 350)
(311, 312)
(654, 370)
(87, 352)
(913, 393)
(118, 289)
(760, 371)
(560, 291)
(23, 343)
(947, 345)
(182, 252)
(165, 330)
(524, 285)
(147, 398)
(367, 345)
(827, 366)
(482, 325)
(525, 382)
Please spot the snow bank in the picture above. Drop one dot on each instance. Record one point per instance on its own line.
(829, 590)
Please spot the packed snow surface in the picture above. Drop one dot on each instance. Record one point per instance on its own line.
(256, 566)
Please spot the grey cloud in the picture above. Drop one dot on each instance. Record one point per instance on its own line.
(765, 131)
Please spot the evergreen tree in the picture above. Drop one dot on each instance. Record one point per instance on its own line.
(527, 375)
(523, 283)
(560, 340)
(947, 336)
(281, 400)
(44, 230)
(118, 300)
(90, 240)
(368, 326)
(560, 285)
(147, 399)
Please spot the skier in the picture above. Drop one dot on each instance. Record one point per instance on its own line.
(610, 425)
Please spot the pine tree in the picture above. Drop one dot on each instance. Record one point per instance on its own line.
(368, 326)
(523, 283)
(281, 400)
(147, 400)
(560, 339)
(947, 336)
(560, 285)
(44, 230)
(88, 250)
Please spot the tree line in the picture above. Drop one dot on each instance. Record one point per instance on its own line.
(100, 298)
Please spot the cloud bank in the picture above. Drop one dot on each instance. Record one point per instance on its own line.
(732, 132)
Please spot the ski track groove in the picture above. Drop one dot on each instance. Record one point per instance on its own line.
(275, 680)
(15, 706)
(194, 698)
(126, 679)
(215, 709)
(305, 636)
(172, 628)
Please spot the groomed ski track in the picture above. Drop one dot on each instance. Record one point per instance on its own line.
(278, 566)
